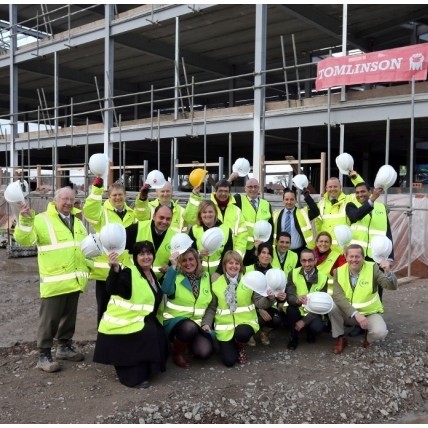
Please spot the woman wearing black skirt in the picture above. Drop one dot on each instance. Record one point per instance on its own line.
(130, 334)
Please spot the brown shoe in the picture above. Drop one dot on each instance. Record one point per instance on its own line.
(178, 354)
(340, 345)
(366, 343)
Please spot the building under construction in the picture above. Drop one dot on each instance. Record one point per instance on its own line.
(169, 86)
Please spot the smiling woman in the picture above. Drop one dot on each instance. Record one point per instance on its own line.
(130, 335)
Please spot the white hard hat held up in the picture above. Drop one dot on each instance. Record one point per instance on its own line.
(241, 166)
(343, 234)
(212, 239)
(14, 193)
(345, 163)
(113, 238)
(385, 177)
(155, 179)
(300, 181)
(256, 281)
(91, 246)
(319, 302)
(98, 164)
(381, 248)
(276, 280)
(262, 230)
(180, 242)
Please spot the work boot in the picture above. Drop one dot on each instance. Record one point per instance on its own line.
(340, 345)
(178, 350)
(366, 343)
(264, 335)
(252, 341)
(65, 351)
(46, 363)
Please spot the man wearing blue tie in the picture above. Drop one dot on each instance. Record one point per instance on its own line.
(296, 221)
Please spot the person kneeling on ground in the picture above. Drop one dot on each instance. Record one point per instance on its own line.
(233, 311)
(188, 289)
(356, 297)
(130, 335)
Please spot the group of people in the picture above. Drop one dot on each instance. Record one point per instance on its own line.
(151, 302)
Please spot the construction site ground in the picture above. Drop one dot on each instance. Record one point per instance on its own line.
(387, 383)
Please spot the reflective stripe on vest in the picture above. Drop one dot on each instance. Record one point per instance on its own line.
(195, 311)
(120, 321)
(237, 311)
(63, 277)
(364, 305)
(131, 306)
(57, 246)
(210, 264)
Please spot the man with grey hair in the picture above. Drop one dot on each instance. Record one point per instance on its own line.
(63, 269)
(254, 208)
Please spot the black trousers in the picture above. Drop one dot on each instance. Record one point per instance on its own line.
(229, 349)
(102, 298)
(315, 327)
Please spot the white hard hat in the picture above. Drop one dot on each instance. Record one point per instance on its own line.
(345, 163)
(256, 281)
(343, 234)
(319, 302)
(300, 181)
(381, 248)
(91, 246)
(98, 164)
(262, 230)
(241, 166)
(212, 239)
(385, 177)
(276, 280)
(14, 193)
(180, 242)
(155, 179)
(113, 238)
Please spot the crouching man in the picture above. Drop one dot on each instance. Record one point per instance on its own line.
(356, 297)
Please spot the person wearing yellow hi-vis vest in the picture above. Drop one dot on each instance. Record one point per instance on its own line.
(63, 270)
(158, 232)
(332, 206)
(188, 288)
(368, 218)
(328, 260)
(269, 308)
(232, 311)
(98, 214)
(356, 297)
(206, 219)
(254, 208)
(301, 281)
(227, 212)
(283, 257)
(130, 335)
(144, 209)
(296, 221)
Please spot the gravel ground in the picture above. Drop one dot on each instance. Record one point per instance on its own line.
(387, 383)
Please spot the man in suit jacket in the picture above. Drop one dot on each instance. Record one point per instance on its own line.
(298, 222)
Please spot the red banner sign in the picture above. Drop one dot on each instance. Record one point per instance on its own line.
(393, 65)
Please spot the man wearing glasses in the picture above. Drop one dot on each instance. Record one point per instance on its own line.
(64, 273)
(253, 209)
